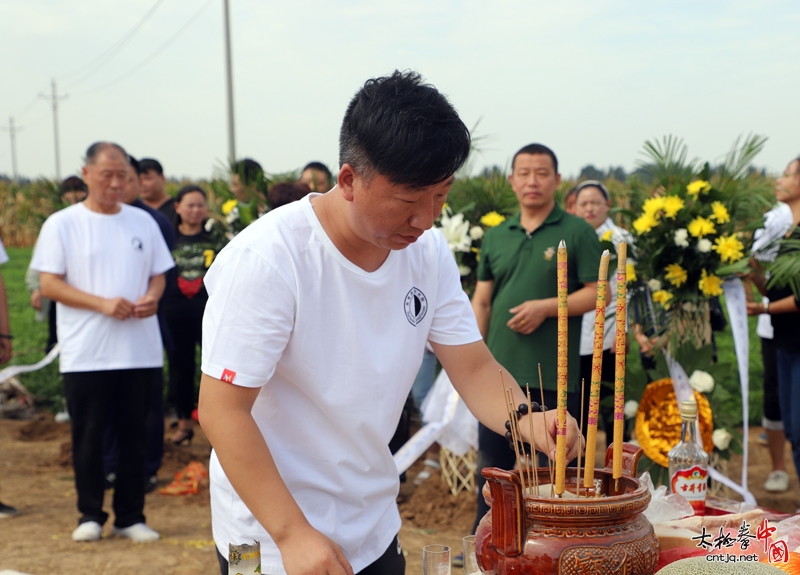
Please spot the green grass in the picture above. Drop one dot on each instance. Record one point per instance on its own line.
(30, 336)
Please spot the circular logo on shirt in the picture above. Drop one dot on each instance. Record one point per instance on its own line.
(416, 305)
(137, 244)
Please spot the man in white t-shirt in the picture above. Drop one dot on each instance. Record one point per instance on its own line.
(103, 262)
(5, 352)
(315, 327)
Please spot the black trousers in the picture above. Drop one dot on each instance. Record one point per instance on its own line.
(494, 450)
(154, 453)
(772, 404)
(392, 562)
(187, 332)
(91, 396)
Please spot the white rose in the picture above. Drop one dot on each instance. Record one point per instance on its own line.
(631, 407)
(721, 438)
(702, 381)
(704, 246)
(654, 285)
(682, 238)
(464, 270)
(476, 232)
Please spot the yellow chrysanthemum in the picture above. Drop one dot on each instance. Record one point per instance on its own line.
(676, 275)
(672, 205)
(492, 219)
(644, 223)
(700, 227)
(606, 237)
(630, 272)
(729, 248)
(721, 214)
(698, 186)
(710, 284)
(662, 297)
(653, 205)
(228, 206)
(209, 255)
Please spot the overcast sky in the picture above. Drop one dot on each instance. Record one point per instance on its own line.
(592, 79)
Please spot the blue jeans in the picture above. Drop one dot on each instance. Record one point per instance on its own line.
(789, 394)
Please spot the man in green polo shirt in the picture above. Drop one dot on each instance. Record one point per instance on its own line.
(515, 299)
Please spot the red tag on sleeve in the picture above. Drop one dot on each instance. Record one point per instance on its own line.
(228, 375)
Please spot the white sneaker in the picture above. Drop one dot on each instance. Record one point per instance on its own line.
(777, 481)
(89, 531)
(137, 532)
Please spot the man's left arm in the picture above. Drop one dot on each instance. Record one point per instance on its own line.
(147, 305)
(475, 374)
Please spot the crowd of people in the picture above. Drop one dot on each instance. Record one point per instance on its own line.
(314, 308)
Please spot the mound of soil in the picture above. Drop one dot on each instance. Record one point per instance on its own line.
(432, 506)
(42, 428)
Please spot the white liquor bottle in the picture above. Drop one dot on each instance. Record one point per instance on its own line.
(688, 462)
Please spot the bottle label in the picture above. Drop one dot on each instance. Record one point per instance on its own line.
(692, 484)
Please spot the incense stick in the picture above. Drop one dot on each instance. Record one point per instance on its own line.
(580, 438)
(547, 431)
(619, 373)
(597, 370)
(533, 442)
(512, 415)
(563, 364)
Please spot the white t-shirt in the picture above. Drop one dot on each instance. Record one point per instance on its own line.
(107, 255)
(334, 350)
(3, 254)
(618, 235)
(777, 222)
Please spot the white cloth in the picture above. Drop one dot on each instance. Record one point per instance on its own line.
(3, 254)
(618, 235)
(110, 256)
(334, 350)
(765, 247)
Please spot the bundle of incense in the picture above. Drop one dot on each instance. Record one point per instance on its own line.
(561, 428)
(533, 442)
(513, 427)
(597, 369)
(544, 415)
(619, 384)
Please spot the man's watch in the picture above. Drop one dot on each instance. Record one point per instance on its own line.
(765, 303)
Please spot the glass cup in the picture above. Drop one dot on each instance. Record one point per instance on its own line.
(470, 560)
(436, 560)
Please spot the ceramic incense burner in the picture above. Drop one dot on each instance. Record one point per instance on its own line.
(587, 535)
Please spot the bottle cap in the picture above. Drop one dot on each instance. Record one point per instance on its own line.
(689, 409)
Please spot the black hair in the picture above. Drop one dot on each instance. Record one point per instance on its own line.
(95, 149)
(249, 171)
(591, 184)
(404, 130)
(73, 184)
(136, 164)
(319, 166)
(151, 165)
(533, 149)
(187, 190)
(284, 193)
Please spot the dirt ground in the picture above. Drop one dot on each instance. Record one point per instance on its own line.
(36, 477)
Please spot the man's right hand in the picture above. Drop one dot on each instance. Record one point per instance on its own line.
(36, 299)
(118, 308)
(308, 552)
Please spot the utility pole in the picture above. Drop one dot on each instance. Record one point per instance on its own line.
(54, 99)
(229, 78)
(12, 130)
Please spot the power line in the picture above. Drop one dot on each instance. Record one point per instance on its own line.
(109, 54)
(153, 55)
